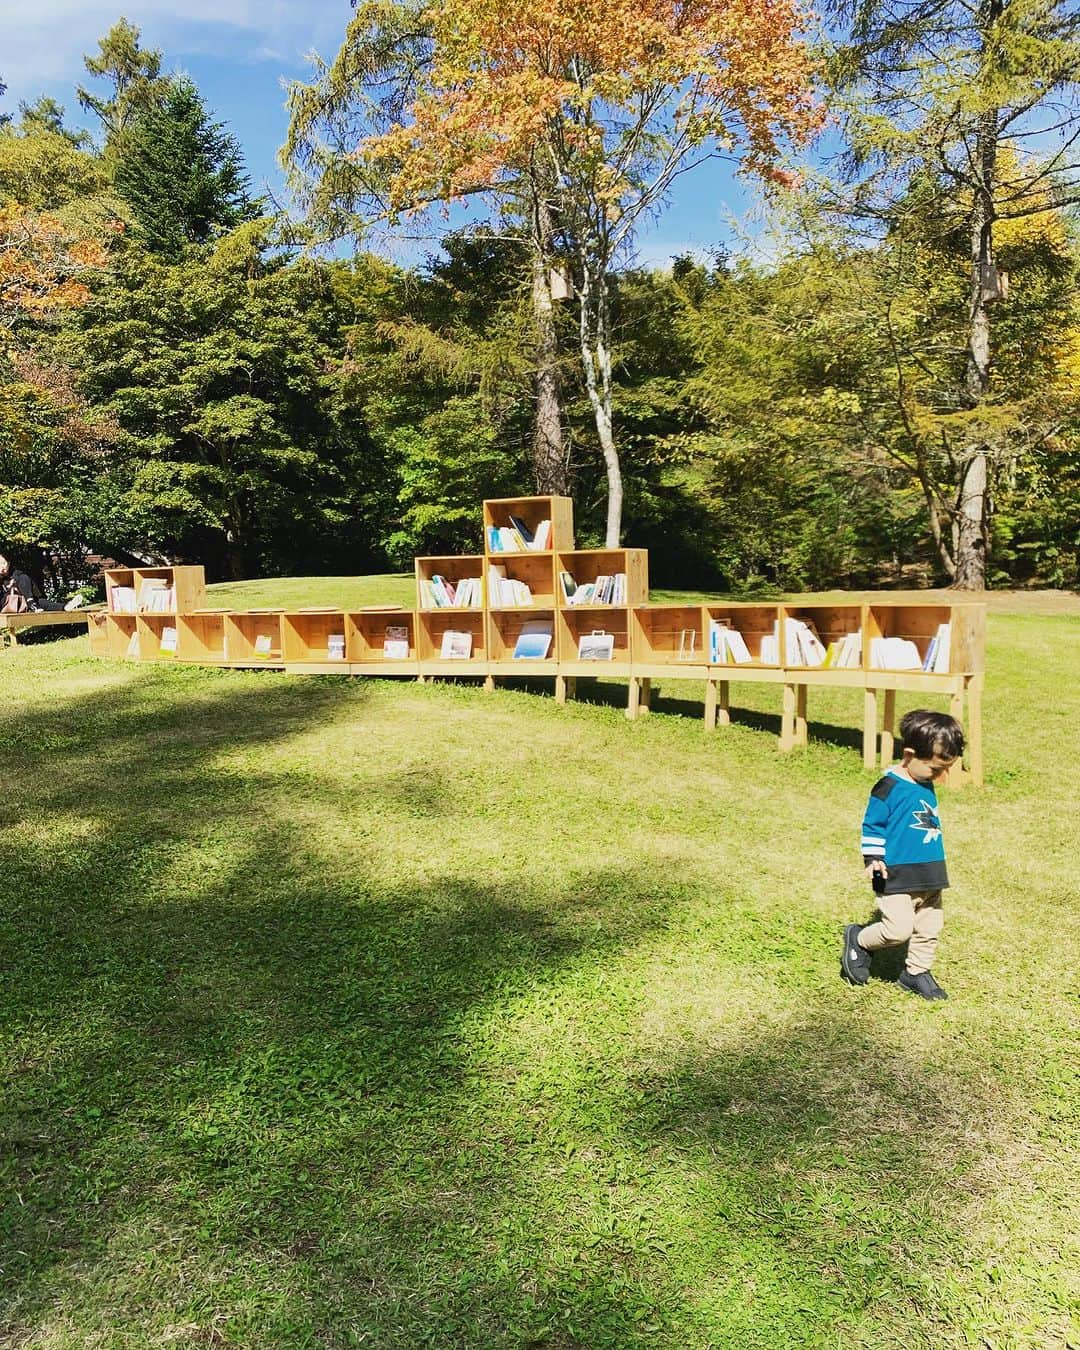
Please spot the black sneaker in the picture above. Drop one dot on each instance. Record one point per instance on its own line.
(922, 984)
(854, 960)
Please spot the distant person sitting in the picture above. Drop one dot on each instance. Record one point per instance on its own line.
(19, 595)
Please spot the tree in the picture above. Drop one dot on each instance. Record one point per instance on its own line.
(948, 106)
(45, 167)
(588, 113)
(181, 174)
(133, 74)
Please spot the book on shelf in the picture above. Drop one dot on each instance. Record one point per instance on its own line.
(505, 592)
(263, 646)
(439, 592)
(456, 646)
(534, 640)
(802, 646)
(939, 653)
(396, 642)
(596, 646)
(844, 652)
(132, 652)
(770, 646)
(335, 646)
(156, 596)
(167, 645)
(517, 537)
(894, 653)
(122, 599)
(604, 590)
(727, 646)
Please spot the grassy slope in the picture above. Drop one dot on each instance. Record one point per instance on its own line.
(343, 1012)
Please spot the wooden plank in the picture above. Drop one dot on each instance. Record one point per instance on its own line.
(869, 735)
(888, 729)
(802, 734)
(787, 719)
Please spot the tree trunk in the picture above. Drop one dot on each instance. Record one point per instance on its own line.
(973, 490)
(550, 469)
(596, 360)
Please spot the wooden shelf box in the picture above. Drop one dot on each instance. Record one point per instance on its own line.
(306, 637)
(453, 570)
(585, 565)
(531, 511)
(667, 635)
(366, 637)
(151, 631)
(754, 623)
(248, 631)
(504, 629)
(431, 626)
(831, 623)
(97, 631)
(201, 636)
(120, 629)
(188, 585)
(537, 571)
(915, 623)
(574, 624)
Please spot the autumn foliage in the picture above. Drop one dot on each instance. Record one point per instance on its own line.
(43, 265)
(506, 76)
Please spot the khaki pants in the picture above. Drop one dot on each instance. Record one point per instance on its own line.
(916, 919)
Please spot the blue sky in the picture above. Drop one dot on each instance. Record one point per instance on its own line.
(241, 52)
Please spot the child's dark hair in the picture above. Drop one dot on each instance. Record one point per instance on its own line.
(930, 733)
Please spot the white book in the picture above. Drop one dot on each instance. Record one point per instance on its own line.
(770, 650)
(943, 660)
(542, 536)
(335, 647)
(456, 646)
(167, 647)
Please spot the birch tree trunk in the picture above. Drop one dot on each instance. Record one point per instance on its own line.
(550, 469)
(596, 361)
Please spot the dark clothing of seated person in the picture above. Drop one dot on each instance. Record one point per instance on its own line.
(18, 594)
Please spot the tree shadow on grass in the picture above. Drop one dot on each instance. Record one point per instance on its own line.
(250, 1074)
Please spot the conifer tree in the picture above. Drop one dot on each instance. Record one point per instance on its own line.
(134, 73)
(182, 174)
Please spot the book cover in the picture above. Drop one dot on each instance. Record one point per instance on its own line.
(596, 646)
(532, 646)
(396, 642)
(456, 646)
(263, 646)
(335, 647)
(167, 646)
(522, 529)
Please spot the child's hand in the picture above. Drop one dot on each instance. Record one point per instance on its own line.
(876, 866)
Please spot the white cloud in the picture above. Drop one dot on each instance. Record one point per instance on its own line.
(42, 44)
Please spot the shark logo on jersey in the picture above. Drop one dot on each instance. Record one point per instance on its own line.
(927, 821)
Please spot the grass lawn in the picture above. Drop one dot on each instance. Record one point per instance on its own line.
(344, 1012)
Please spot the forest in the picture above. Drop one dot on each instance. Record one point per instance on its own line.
(192, 372)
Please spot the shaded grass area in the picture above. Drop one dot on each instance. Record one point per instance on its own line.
(352, 1012)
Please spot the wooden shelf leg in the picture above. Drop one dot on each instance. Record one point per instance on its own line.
(560, 689)
(802, 733)
(646, 695)
(888, 729)
(955, 776)
(489, 684)
(869, 731)
(787, 720)
(710, 705)
(633, 699)
(974, 729)
(723, 710)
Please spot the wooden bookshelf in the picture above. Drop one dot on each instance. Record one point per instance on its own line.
(536, 570)
(367, 633)
(505, 627)
(97, 631)
(151, 629)
(120, 628)
(306, 641)
(188, 584)
(586, 564)
(452, 569)
(663, 636)
(531, 510)
(201, 637)
(432, 625)
(246, 631)
(586, 621)
(754, 623)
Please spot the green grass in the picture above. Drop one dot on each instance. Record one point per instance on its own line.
(342, 1013)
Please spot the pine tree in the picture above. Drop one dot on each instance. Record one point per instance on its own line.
(182, 174)
(134, 73)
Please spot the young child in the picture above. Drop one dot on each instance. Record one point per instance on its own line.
(905, 856)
